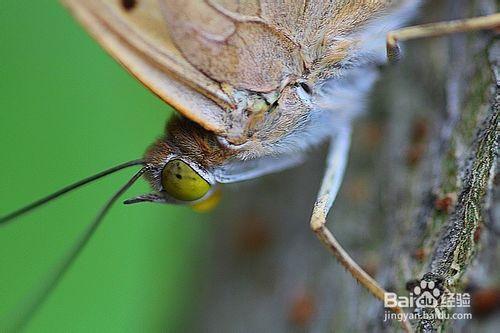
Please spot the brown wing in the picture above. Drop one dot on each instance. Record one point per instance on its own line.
(258, 44)
(138, 38)
(232, 43)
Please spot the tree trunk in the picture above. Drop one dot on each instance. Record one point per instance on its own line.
(417, 200)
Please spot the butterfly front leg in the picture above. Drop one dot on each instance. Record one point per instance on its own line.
(332, 179)
(490, 22)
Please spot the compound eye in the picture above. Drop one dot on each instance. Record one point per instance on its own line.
(181, 182)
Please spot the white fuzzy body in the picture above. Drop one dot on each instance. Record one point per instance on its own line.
(335, 103)
(342, 98)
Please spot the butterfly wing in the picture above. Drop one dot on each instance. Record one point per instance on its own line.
(209, 58)
(138, 38)
(261, 45)
(233, 43)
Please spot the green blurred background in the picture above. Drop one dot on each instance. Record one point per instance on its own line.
(67, 110)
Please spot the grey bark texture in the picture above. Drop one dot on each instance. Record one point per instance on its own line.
(418, 200)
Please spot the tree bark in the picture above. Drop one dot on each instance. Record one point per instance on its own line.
(418, 199)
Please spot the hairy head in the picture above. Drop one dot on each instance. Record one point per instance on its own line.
(181, 161)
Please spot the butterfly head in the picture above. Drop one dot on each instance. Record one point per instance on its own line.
(181, 164)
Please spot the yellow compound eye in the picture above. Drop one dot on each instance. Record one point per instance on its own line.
(181, 182)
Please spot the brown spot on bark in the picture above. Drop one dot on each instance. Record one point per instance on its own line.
(418, 135)
(414, 154)
(302, 310)
(445, 203)
(253, 237)
(485, 301)
(477, 233)
(420, 254)
(419, 131)
(371, 135)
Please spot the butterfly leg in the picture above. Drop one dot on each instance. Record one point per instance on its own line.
(336, 163)
(489, 22)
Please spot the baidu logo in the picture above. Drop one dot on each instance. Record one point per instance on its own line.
(427, 294)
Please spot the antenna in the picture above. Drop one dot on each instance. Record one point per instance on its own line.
(64, 190)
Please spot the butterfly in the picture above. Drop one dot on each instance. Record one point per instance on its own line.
(255, 84)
